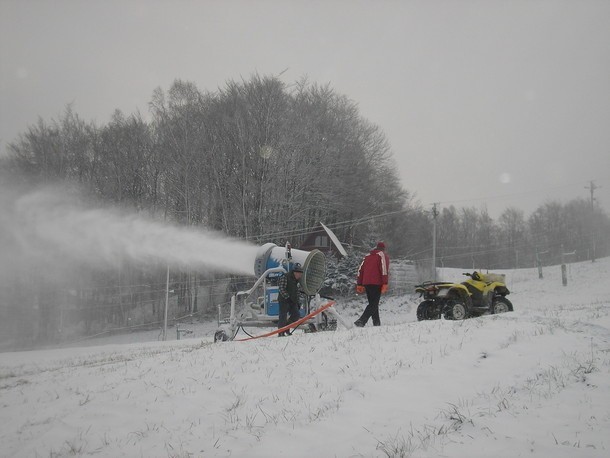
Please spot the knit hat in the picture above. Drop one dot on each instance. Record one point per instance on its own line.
(380, 246)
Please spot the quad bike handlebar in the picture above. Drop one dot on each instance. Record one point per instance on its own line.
(475, 275)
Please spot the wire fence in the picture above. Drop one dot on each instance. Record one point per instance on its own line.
(34, 313)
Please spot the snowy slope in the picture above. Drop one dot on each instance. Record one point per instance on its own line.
(534, 382)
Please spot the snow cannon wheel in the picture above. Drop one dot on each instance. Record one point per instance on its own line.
(328, 325)
(220, 336)
(311, 328)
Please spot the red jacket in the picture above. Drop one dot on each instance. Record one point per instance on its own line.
(374, 269)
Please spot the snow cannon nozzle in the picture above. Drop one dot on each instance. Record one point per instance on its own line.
(312, 264)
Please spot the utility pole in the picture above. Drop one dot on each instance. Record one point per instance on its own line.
(434, 216)
(564, 273)
(166, 305)
(539, 261)
(592, 187)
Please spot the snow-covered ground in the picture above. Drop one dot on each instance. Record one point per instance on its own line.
(535, 382)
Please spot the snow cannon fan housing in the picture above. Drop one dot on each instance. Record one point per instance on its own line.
(313, 263)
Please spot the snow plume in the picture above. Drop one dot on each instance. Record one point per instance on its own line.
(53, 226)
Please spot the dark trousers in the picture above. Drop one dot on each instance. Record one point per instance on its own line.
(289, 313)
(373, 294)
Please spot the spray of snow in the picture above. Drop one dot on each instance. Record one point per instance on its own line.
(56, 225)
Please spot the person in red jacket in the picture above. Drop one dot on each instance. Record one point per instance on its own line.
(373, 278)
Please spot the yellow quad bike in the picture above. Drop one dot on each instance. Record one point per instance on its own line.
(480, 294)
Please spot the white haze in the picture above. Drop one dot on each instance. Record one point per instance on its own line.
(52, 225)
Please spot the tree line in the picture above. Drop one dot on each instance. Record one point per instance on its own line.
(252, 159)
(553, 233)
(263, 161)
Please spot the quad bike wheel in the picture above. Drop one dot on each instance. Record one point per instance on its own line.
(501, 305)
(455, 310)
(425, 312)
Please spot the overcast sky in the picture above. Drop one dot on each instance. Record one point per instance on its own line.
(485, 103)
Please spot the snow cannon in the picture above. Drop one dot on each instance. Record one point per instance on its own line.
(313, 263)
(259, 306)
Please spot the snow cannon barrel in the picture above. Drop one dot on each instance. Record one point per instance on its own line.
(313, 264)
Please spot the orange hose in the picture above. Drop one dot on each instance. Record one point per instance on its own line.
(291, 325)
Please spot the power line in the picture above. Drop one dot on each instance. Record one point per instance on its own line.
(337, 225)
(371, 217)
(523, 193)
